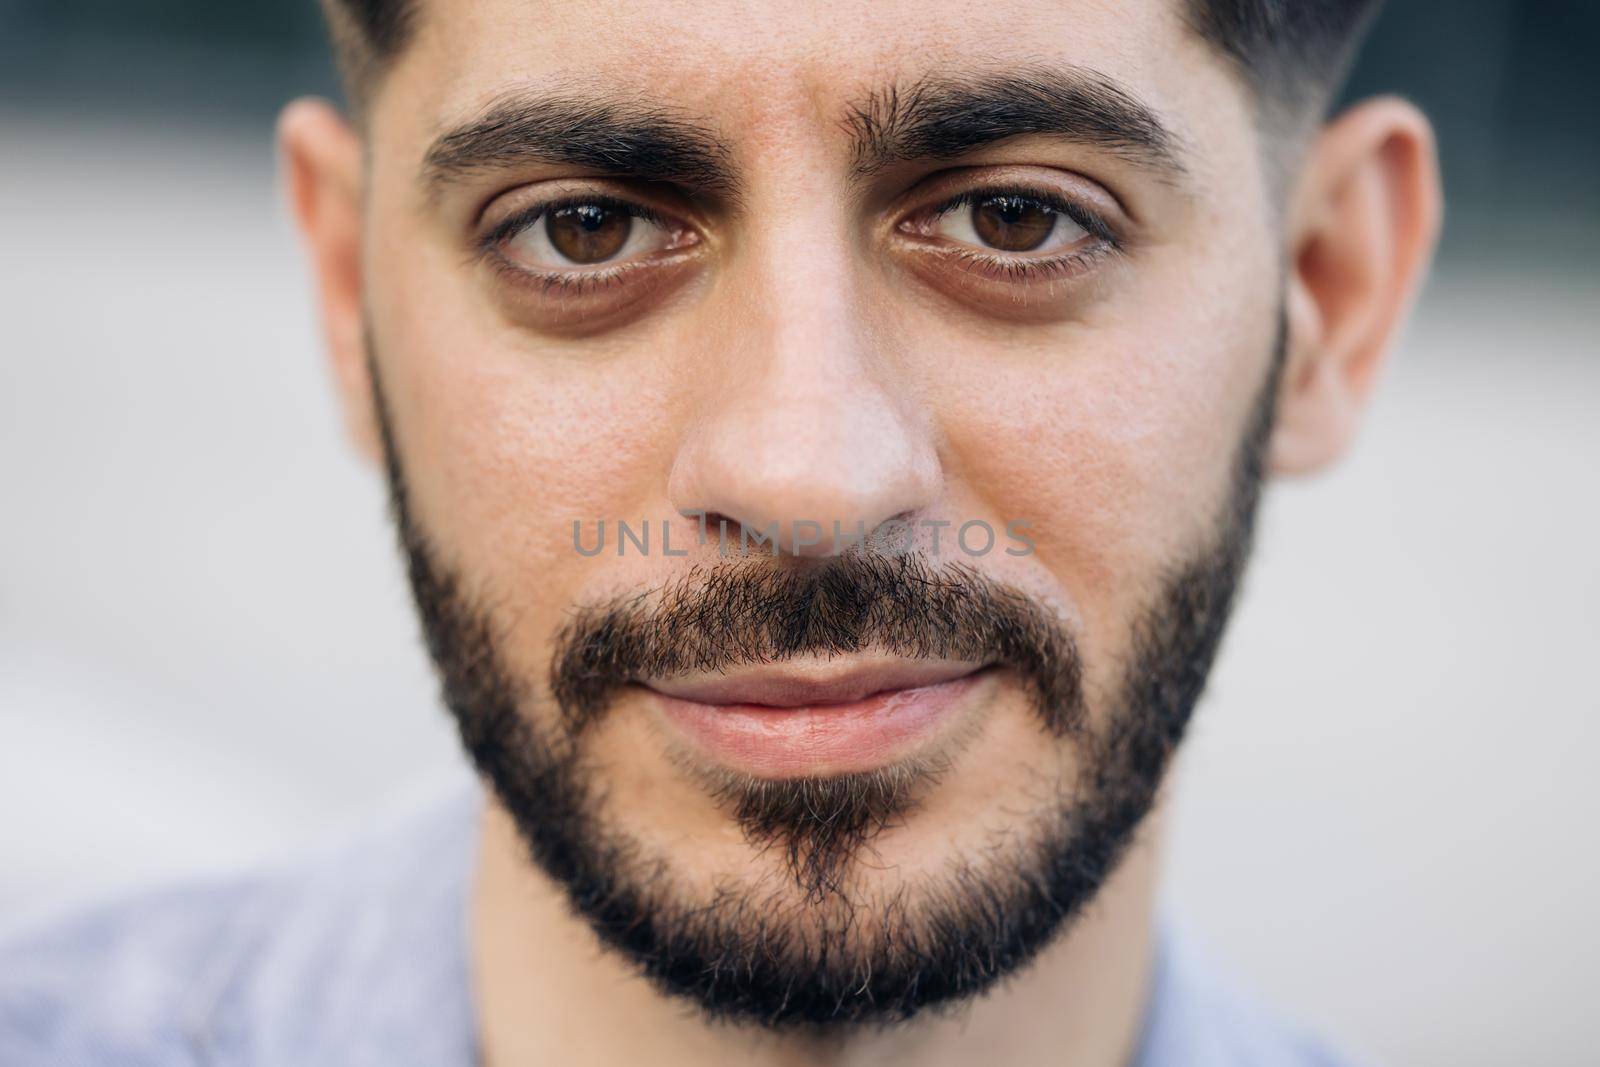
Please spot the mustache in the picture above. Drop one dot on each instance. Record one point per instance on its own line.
(760, 611)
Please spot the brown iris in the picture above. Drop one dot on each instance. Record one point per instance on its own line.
(1012, 223)
(588, 233)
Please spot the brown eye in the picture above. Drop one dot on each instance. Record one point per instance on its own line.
(588, 233)
(1012, 223)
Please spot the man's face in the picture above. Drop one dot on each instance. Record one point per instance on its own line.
(813, 264)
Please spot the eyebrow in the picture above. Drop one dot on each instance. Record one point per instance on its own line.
(944, 117)
(935, 117)
(634, 140)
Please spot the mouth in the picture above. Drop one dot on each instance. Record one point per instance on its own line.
(819, 717)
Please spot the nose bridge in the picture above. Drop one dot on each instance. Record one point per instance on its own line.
(801, 265)
(810, 426)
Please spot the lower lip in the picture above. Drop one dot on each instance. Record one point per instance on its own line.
(828, 739)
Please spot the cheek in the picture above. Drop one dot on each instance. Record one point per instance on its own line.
(505, 447)
(508, 439)
(1119, 448)
(505, 442)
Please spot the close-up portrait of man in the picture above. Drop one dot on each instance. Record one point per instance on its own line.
(824, 442)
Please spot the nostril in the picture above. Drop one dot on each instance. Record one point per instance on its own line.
(729, 534)
(782, 472)
(713, 527)
(800, 536)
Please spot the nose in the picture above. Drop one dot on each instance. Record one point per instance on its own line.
(809, 437)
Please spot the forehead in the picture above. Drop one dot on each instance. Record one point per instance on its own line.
(774, 74)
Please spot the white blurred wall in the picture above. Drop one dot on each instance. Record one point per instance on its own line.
(208, 657)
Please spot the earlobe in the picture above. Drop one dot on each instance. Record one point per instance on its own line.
(1314, 413)
(1361, 231)
(322, 162)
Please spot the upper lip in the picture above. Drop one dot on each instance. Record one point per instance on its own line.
(800, 683)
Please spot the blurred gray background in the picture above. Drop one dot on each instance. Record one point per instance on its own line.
(208, 659)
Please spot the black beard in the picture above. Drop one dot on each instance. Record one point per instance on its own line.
(759, 955)
(766, 611)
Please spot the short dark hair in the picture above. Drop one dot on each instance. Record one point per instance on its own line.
(1294, 53)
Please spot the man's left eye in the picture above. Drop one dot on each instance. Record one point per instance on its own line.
(585, 234)
(1010, 223)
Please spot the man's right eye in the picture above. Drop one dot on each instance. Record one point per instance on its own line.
(576, 234)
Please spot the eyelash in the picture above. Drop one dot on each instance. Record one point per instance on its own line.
(1020, 268)
(1045, 198)
(563, 283)
(999, 265)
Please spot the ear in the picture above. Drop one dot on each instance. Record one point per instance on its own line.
(1361, 227)
(322, 163)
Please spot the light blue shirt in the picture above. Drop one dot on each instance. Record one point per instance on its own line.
(358, 958)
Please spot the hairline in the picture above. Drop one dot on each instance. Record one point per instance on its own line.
(1283, 103)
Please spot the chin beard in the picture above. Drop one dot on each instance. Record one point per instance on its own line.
(812, 944)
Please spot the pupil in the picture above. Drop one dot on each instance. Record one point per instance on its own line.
(1012, 223)
(588, 233)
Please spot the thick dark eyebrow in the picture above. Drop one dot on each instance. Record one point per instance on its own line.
(943, 117)
(632, 140)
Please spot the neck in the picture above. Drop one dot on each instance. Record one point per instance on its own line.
(547, 992)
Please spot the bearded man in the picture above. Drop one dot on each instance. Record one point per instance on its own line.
(933, 356)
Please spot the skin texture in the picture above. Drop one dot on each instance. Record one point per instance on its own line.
(805, 359)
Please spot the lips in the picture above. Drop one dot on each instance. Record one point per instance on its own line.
(817, 717)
